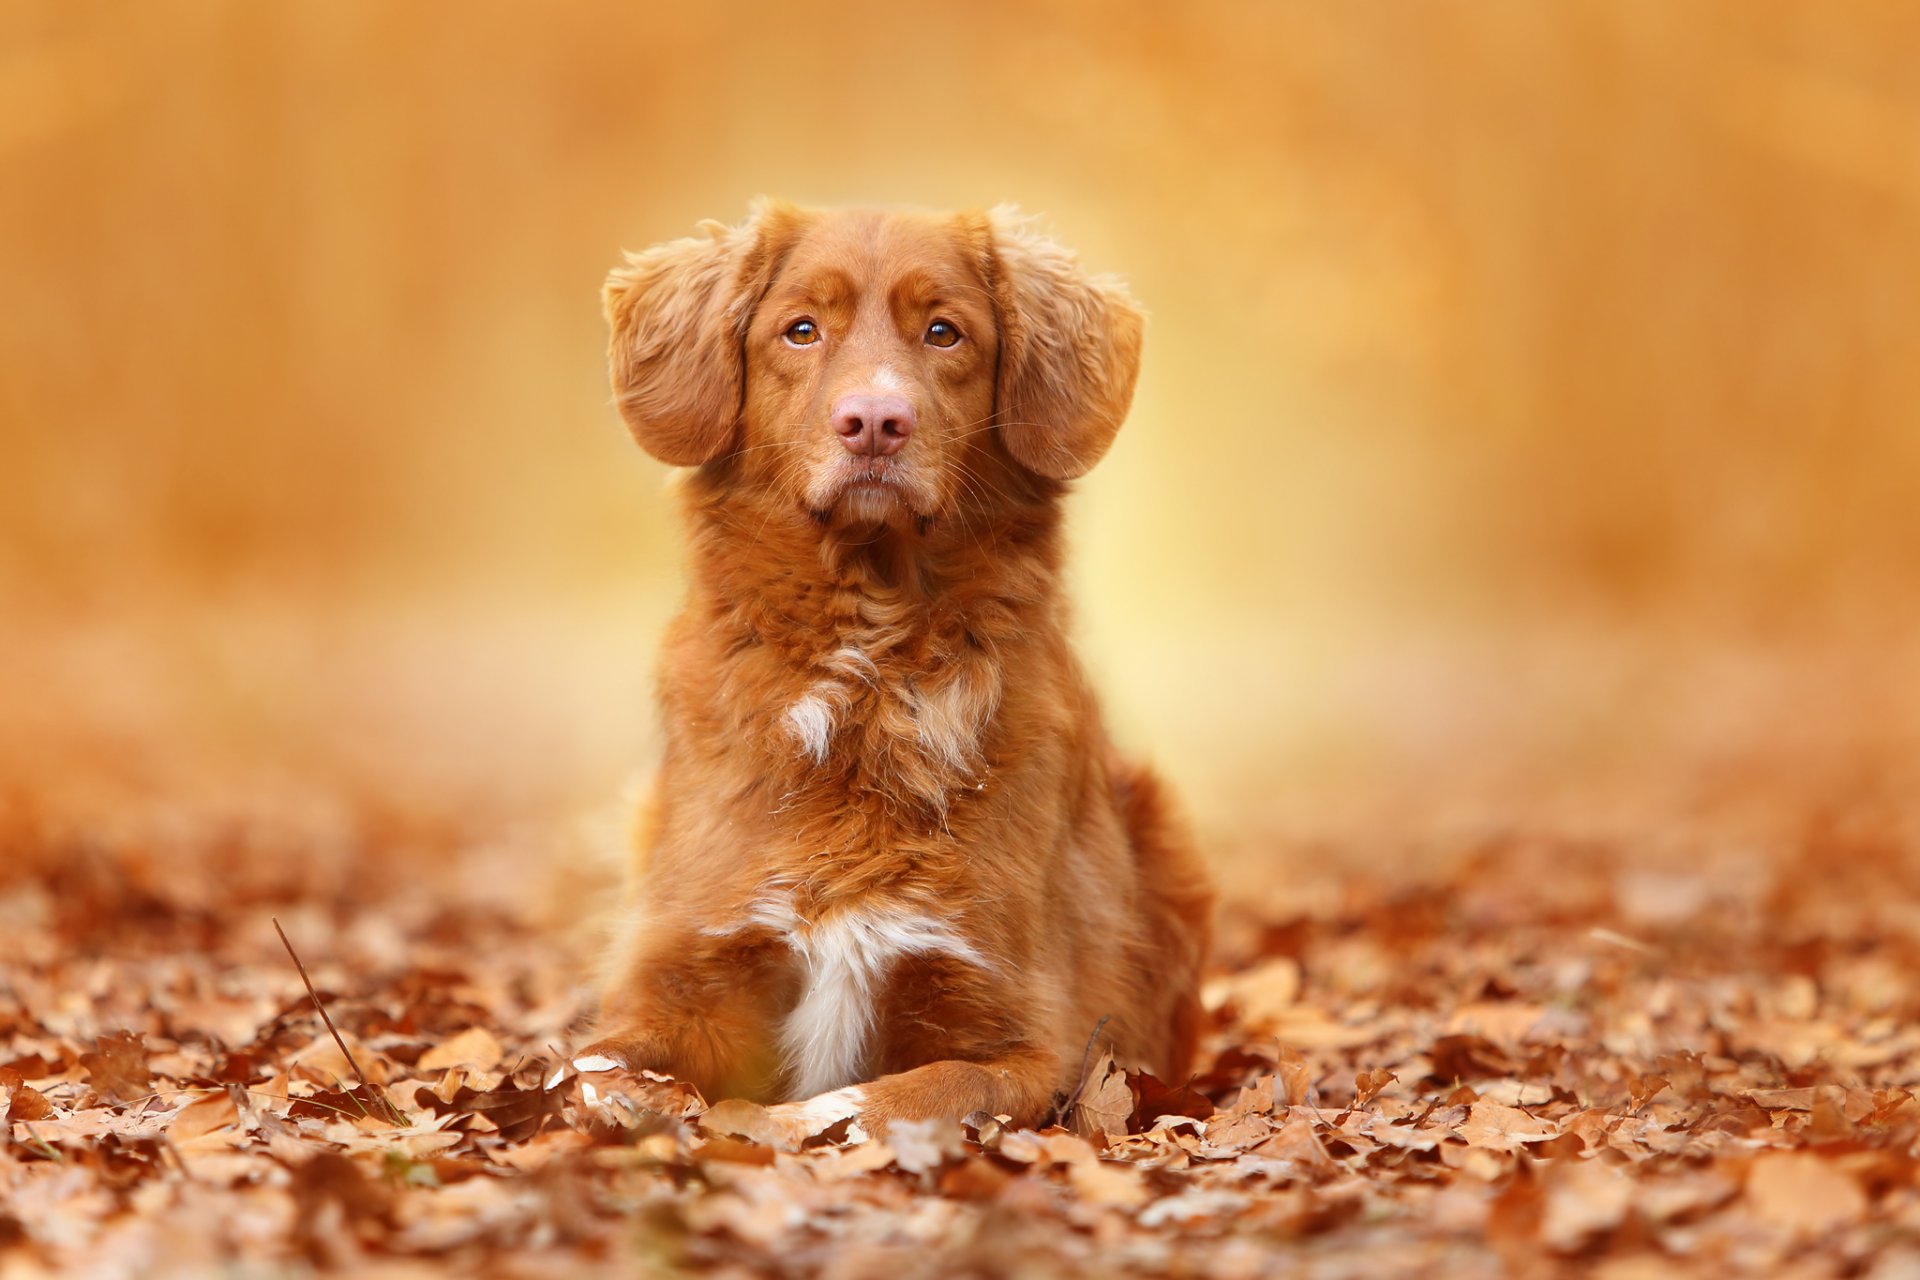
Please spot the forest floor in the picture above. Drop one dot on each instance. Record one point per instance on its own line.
(1667, 1030)
(1532, 1054)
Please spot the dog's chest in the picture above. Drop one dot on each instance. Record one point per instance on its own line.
(845, 959)
(915, 728)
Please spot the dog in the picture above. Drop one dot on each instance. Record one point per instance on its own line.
(891, 867)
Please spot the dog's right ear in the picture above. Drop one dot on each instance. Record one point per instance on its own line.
(678, 314)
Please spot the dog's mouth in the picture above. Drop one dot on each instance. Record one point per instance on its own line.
(878, 490)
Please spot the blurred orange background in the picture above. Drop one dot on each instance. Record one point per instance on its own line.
(1529, 406)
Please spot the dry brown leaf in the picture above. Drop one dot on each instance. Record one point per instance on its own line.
(1265, 994)
(1294, 1079)
(19, 1100)
(475, 1047)
(203, 1115)
(1061, 1147)
(117, 1068)
(1106, 1182)
(1153, 1098)
(1105, 1105)
(1505, 1022)
(1402, 1134)
(1234, 1131)
(1584, 1199)
(1803, 1194)
(1256, 1098)
(1496, 1127)
(738, 1118)
(1368, 1084)
(1782, 1099)
(922, 1146)
(854, 1161)
(1313, 1029)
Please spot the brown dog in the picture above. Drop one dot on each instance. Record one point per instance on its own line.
(893, 868)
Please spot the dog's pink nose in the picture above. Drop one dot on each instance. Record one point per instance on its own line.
(873, 425)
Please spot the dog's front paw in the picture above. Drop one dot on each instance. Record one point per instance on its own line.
(614, 1053)
(617, 1084)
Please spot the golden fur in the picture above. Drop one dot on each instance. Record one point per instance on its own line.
(891, 853)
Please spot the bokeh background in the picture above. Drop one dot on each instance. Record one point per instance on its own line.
(1528, 422)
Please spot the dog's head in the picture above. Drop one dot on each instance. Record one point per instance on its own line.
(873, 367)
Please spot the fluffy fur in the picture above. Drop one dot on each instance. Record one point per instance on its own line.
(891, 859)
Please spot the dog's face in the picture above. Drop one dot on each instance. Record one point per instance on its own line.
(870, 366)
(873, 368)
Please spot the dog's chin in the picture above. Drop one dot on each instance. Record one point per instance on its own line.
(872, 502)
(868, 496)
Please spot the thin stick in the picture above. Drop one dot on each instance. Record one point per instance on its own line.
(392, 1117)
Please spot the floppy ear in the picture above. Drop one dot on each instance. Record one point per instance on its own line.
(1069, 351)
(678, 314)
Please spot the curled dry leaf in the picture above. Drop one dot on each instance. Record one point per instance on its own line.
(1105, 1102)
(1368, 1084)
(19, 1100)
(1294, 1079)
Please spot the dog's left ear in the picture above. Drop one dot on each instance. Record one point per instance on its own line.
(677, 316)
(1069, 351)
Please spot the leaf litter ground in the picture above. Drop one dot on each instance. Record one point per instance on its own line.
(1634, 1051)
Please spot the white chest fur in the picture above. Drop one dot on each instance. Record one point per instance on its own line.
(940, 715)
(845, 958)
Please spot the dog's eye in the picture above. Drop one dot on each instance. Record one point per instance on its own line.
(803, 333)
(942, 334)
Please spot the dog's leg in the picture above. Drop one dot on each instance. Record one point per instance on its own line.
(1020, 1084)
(1176, 901)
(699, 1008)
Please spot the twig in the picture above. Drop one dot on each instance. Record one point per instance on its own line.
(40, 1144)
(386, 1103)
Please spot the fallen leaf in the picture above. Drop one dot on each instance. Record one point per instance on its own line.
(1497, 1127)
(1803, 1194)
(739, 1118)
(1265, 993)
(1584, 1199)
(1152, 1099)
(921, 1146)
(117, 1068)
(203, 1115)
(1368, 1084)
(474, 1047)
(19, 1100)
(1294, 1077)
(1105, 1182)
(1105, 1105)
